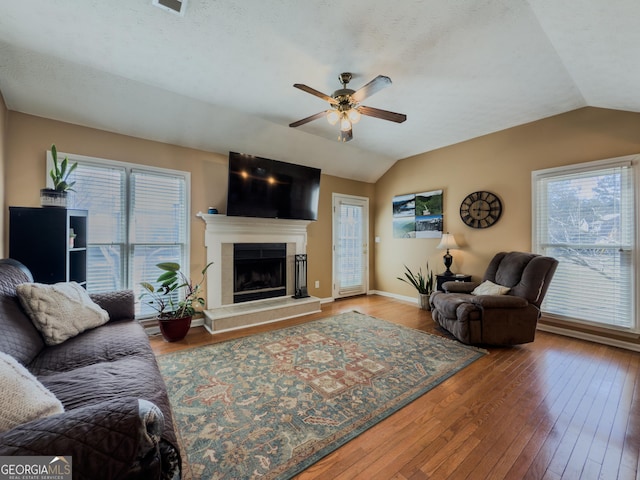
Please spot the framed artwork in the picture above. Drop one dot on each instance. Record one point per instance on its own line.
(418, 215)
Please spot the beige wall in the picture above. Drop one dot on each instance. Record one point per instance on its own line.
(28, 138)
(4, 121)
(502, 163)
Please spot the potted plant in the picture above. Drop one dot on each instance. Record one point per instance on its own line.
(57, 196)
(176, 300)
(423, 284)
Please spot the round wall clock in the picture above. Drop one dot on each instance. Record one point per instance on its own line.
(480, 209)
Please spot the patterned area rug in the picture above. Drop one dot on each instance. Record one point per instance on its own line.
(270, 405)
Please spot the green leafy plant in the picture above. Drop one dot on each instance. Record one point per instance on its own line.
(421, 282)
(166, 299)
(60, 172)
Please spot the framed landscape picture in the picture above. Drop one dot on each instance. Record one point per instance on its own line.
(418, 215)
(429, 214)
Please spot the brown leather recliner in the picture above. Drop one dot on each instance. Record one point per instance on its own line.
(508, 319)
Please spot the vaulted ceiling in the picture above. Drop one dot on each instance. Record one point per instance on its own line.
(220, 77)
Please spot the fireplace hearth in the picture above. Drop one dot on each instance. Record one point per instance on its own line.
(259, 271)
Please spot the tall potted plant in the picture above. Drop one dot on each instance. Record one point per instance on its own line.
(57, 196)
(176, 299)
(422, 283)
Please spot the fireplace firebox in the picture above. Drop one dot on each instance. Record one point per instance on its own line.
(259, 271)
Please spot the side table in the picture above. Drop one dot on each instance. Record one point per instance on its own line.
(456, 277)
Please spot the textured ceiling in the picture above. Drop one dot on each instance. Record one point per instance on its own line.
(220, 78)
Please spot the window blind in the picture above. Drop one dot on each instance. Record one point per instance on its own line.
(584, 217)
(101, 190)
(350, 247)
(158, 226)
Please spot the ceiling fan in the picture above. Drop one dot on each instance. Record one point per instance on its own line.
(345, 105)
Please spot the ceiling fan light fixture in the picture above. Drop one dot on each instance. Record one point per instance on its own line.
(345, 106)
(332, 117)
(354, 115)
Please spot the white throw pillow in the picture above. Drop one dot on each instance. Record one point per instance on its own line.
(22, 397)
(490, 288)
(60, 311)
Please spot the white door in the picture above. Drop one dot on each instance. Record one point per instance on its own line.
(350, 245)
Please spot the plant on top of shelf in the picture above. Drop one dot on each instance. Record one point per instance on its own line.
(59, 173)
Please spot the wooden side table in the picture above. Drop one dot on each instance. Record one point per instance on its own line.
(456, 277)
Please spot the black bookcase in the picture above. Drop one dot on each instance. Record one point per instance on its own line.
(41, 239)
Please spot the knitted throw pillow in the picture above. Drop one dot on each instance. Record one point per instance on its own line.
(60, 311)
(22, 397)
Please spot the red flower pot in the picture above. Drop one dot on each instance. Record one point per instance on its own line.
(174, 329)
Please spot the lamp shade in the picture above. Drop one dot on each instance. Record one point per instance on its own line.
(333, 116)
(448, 242)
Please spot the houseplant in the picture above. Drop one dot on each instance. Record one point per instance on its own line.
(422, 283)
(57, 196)
(176, 299)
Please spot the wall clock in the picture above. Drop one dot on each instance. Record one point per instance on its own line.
(480, 209)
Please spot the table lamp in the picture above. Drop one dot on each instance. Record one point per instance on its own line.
(448, 242)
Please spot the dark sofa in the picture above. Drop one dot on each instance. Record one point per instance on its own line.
(117, 421)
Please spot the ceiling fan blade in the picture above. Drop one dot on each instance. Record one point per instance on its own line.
(383, 114)
(315, 92)
(370, 88)
(345, 136)
(308, 119)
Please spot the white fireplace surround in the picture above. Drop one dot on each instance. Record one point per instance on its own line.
(222, 230)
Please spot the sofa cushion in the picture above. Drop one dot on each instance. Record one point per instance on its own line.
(489, 288)
(60, 311)
(509, 271)
(19, 338)
(110, 342)
(22, 397)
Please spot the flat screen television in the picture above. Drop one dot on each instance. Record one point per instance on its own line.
(260, 187)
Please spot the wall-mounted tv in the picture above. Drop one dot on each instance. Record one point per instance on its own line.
(260, 187)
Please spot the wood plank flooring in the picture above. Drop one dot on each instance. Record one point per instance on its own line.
(558, 408)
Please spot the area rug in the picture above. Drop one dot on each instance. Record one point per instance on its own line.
(270, 405)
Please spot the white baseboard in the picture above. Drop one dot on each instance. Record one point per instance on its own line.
(612, 342)
(402, 298)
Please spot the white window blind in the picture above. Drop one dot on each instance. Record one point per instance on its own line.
(584, 217)
(138, 217)
(158, 225)
(101, 191)
(350, 246)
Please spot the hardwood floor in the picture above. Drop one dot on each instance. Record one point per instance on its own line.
(558, 408)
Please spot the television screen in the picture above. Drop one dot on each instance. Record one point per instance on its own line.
(260, 187)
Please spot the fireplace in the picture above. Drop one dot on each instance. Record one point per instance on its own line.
(223, 232)
(259, 271)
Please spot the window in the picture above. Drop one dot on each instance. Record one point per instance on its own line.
(137, 218)
(583, 215)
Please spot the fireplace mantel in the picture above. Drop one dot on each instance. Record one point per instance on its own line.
(221, 229)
